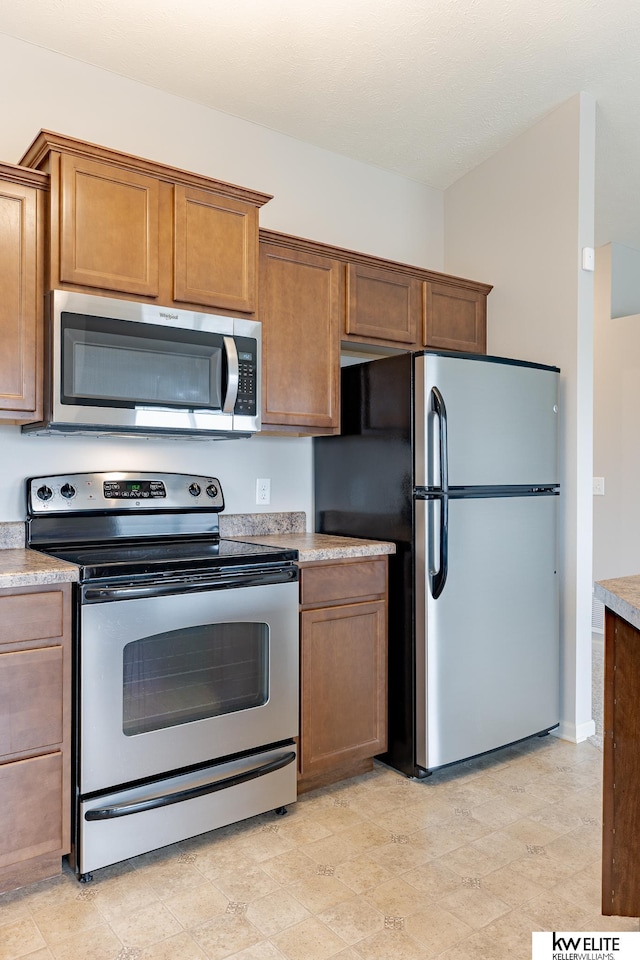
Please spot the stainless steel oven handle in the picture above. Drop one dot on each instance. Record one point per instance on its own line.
(107, 594)
(233, 375)
(139, 806)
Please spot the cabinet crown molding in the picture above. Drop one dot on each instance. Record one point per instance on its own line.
(352, 256)
(47, 141)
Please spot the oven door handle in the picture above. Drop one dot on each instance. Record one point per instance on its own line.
(106, 594)
(191, 793)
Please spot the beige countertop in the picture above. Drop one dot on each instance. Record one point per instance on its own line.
(322, 546)
(622, 596)
(21, 567)
(26, 568)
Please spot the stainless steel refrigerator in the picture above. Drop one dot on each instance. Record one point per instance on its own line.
(454, 458)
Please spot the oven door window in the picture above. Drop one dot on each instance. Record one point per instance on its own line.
(119, 363)
(194, 674)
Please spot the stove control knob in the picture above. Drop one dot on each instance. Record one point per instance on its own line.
(195, 490)
(44, 493)
(212, 490)
(67, 491)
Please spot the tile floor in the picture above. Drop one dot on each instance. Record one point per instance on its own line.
(462, 866)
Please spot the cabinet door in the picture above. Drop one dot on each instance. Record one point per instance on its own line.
(31, 699)
(300, 310)
(344, 687)
(108, 227)
(20, 303)
(455, 318)
(215, 250)
(383, 305)
(31, 803)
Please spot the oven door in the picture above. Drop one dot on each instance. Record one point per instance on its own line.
(184, 676)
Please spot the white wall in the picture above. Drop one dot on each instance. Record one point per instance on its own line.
(519, 221)
(616, 431)
(317, 194)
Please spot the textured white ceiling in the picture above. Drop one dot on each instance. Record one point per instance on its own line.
(426, 88)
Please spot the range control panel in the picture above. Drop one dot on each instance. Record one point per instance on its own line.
(82, 492)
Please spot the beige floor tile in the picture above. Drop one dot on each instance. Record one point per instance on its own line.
(333, 849)
(147, 926)
(541, 869)
(290, 867)
(121, 895)
(320, 892)
(334, 817)
(510, 886)
(309, 940)
(474, 905)
(555, 913)
(434, 879)
(265, 950)
(14, 906)
(396, 898)
(180, 947)
(596, 922)
(470, 861)
(353, 920)
(196, 905)
(19, 938)
(363, 836)
(276, 912)
(303, 830)
(496, 813)
(226, 935)
(392, 943)
(584, 888)
(402, 855)
(508, 938)
(178, 874)
(530, 832)
(44, 954)
(245, 885)
(570, 851)
(362, 873)
(501, 846)
(436, 928)
(58, 923)
(99, 943)
(268, 840)
(215, 859)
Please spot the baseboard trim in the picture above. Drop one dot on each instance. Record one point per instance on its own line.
(573, 733)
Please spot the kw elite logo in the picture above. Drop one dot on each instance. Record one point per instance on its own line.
(585, 946)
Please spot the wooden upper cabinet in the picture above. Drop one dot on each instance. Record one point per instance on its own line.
(455, 318)
(128, 226)
(22, 203)
(108, 227)
(301, 304)
(383, 305)
(215, 250)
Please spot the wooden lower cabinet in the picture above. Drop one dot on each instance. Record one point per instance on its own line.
(621, 769)
(35, 732)
(343, 669)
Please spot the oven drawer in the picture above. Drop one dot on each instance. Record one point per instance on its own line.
(128, 823)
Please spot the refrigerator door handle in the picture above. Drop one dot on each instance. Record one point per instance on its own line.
(438, 577)
(439, 408)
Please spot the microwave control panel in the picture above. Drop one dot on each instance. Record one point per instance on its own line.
(246, 400)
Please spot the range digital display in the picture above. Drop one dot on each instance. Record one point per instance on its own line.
(133, 489)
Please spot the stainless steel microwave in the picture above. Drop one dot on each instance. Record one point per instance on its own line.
(118, 367)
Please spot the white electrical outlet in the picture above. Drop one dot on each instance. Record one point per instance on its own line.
(598, 486)
(263, 491)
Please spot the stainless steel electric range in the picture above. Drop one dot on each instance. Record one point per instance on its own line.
(186, 660)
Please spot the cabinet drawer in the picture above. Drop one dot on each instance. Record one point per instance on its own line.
(345, 580)
(31, 616)
(31, 804)
(31, 699)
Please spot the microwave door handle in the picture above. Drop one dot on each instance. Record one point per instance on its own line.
(233, 375)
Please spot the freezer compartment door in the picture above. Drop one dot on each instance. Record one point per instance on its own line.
(487, 649)
(501, 422)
